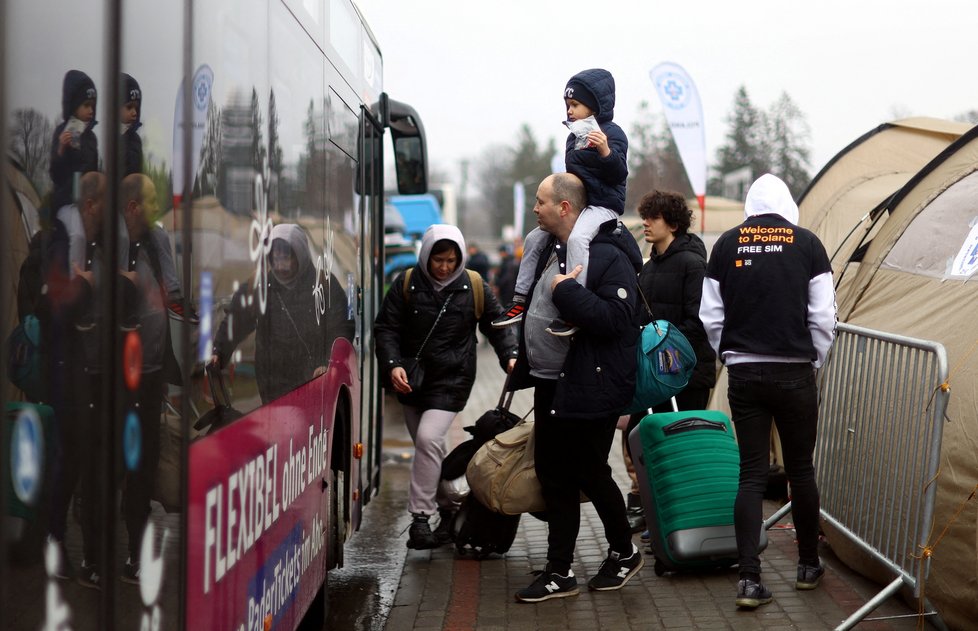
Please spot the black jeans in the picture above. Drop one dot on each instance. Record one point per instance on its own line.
(572, 457)
(757, 393)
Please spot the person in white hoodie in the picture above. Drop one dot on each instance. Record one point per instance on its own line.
(768, 308)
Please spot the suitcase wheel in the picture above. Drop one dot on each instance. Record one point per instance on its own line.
(659, 568)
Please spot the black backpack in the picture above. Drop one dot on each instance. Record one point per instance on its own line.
(482, 532)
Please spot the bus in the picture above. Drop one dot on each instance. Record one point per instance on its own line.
(192, 261)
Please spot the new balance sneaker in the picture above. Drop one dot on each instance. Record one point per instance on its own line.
(549, 585)
(130, 572)
(615, 570)
(561, 329)
(88, 576)
(809, 576)
(751, 594)
(177, 312)
(514, 313)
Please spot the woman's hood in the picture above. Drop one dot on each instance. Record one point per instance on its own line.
(435, 233)
(768, 195)
(298, 241)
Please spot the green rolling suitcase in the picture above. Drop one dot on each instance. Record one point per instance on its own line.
(688, 468)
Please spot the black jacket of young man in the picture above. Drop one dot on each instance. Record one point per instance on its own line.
(598, 378)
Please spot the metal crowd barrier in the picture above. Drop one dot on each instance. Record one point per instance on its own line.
(881, 419)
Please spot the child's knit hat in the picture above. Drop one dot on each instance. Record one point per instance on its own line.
(77, 88)
(131, 92)
(580, 93)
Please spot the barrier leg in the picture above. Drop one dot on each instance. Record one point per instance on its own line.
(776, 517)
(871, 604)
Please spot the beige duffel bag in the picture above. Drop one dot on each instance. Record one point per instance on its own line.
(502, 474)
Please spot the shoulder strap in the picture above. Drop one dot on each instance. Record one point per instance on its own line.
(478, 292)
(407, 280)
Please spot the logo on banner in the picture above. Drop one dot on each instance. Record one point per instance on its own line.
(675, 90)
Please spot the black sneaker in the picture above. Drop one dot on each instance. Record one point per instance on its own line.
(88, 576)
(548, 585)
(751, 595)
(615, 571)
(514, 314)
(443, 533)
(809, 576)
(561, 329)
(420, 536)
(56, 559)
(130, 572)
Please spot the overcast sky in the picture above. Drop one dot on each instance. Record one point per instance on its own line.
(476, 71)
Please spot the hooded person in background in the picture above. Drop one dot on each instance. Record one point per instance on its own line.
(768, 308)
(74, 147)
(290, 340)
(434, 311)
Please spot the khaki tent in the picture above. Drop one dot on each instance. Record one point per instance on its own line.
(919, 277)
(839, 203)
(906, 196)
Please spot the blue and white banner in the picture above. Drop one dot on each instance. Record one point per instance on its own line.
(684, 113)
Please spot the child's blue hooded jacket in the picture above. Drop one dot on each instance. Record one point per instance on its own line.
(604, 178)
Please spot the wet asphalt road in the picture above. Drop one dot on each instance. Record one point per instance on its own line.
(362, 592)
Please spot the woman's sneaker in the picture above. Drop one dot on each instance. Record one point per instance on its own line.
(809, 576)
(549, 585)
(752, 594)
(615, 571)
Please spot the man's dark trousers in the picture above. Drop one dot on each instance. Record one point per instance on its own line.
(786, 392)
(572, 457)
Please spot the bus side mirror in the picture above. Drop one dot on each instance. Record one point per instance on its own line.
(410, 153)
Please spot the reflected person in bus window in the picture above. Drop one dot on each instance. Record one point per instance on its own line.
(74, 147)
(139, 207)
(433, 314)
(290, 340)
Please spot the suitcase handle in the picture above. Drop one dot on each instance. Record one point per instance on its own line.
(692, 424)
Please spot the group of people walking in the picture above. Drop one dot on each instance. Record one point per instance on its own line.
(581, 296)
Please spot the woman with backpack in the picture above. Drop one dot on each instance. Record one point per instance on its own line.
(426, 346)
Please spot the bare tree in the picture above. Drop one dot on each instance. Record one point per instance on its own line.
(788, 134)
(653, 159)
(30, 137)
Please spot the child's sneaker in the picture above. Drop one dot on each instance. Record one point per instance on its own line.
(809, 576)
(549, 585)
(88, 575)
(561, 329)
(751, 594)
(514, 313)
(130, 572)
(176, 312)
(615, 571)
